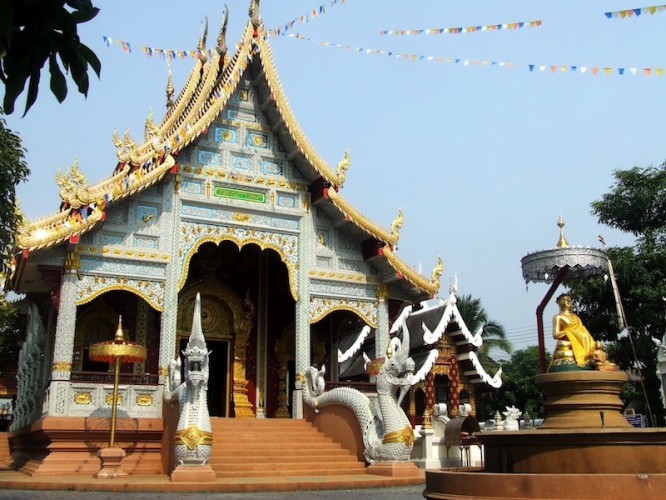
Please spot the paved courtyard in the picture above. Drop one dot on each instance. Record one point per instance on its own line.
(398, 492)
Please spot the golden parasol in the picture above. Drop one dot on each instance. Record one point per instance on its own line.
(117, 351)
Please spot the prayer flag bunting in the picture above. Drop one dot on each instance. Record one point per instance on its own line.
(304, 18)
(161, 53)
(469, 29)
(622, 14)
(466, 62)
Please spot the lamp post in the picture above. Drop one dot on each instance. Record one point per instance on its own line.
(115, 352)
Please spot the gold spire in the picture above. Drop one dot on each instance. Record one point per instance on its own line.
(169, 89)
(562, 243)
(119, 332)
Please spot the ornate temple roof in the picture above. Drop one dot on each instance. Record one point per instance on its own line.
(428, 327)
(211, 83)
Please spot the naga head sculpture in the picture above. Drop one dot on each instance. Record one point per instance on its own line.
(196, 354)
(399, 366)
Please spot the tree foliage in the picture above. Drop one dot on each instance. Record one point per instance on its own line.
(518, 388)
(13, 169)
(636, 204)
(33, 32)
(10, 336)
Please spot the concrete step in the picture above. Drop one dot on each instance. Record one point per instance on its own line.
(277, 448)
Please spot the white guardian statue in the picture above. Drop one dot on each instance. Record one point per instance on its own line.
(193, 439)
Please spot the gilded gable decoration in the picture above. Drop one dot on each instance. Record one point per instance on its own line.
(92, 286)
(193, 235)
(320, 307)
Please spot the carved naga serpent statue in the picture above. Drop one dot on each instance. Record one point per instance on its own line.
(193, 437)
(387, 433)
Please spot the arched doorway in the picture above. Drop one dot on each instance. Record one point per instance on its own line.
(246, 304)
(97, 321)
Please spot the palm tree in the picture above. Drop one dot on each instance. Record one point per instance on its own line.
(492, 332)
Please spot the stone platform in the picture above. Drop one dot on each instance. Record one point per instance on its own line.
(585, 449)
(467, 484)
(13, 480)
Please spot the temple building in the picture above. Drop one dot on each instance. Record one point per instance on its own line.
(226, 198)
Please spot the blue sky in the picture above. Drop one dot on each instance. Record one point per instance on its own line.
(482, 158)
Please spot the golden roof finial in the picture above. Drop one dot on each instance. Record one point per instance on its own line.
(169, 89)
(397, 223)
(254, 13)
(222, 37)
(343, 165)
(203, 36)
(562, 243)
(438, 271)
(119, 332)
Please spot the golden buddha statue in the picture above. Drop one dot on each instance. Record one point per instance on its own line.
(575, 346)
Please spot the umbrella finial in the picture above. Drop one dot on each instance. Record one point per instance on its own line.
(119, 332)
(562, 242)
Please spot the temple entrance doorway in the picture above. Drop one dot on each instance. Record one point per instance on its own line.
(246, 304)
(218, 376)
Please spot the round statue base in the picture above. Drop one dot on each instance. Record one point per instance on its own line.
(582, 399)
(585, 449)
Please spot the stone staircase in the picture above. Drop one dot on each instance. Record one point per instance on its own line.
(276, 448)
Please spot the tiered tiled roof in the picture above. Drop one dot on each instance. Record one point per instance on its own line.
(209, 87)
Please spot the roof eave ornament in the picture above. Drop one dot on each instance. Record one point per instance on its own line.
(202, 41)
(222, 37)
(397, 224)
(121, 152)
(343, 166)
(73, 185)
(129, 145)
(254, 14)
(438, 271)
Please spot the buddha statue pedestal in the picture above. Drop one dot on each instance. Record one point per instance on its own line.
(584, 399)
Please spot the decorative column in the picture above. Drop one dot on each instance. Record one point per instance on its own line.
(282, 355)
(429, 394)
(302, 323)
(382, 332)
(262, 335)
(170, 312)
(64, 340)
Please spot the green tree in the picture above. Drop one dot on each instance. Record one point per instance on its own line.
(518, 388)
(33, 32)
(635, 204)
(11, 334)
(493, 333)
(13, 169)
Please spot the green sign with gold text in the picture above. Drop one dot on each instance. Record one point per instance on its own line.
(239, 194)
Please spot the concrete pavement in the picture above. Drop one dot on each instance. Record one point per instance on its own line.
(398, 492)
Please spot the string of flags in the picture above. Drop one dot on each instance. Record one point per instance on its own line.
(305, 18)
(470, 29)
(552, 68)
(635, 12)
(161, 53)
